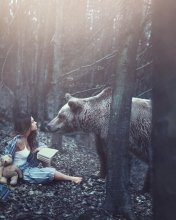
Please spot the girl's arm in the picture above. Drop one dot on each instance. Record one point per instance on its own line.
(40, 146)
(11, 147)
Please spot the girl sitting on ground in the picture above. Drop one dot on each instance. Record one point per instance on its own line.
(23, 147)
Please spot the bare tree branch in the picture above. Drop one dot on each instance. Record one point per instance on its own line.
(144, 93)
(98, 89)
(109, 56)
(87, 90)
(143, 52)
(144, 65)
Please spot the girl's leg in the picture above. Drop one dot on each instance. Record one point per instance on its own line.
(60, 176)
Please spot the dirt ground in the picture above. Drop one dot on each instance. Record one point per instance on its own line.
(65, 200)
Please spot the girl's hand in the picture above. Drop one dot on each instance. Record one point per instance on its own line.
(39, 148)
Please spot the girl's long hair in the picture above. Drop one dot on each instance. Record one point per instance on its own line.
(22, 124)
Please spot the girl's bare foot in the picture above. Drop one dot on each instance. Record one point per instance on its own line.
(76, 179)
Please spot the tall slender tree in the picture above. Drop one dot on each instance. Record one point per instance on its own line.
(117, 194)
(164, 109)
(57, 69)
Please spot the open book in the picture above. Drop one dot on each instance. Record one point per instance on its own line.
(46, 154)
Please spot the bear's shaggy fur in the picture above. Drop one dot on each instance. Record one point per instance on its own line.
(92, 115)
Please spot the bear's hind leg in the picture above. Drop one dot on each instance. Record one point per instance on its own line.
(103, 160)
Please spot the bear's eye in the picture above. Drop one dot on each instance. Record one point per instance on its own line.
(61, 117)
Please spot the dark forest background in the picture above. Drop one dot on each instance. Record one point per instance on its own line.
(52, 47)
(48, 48)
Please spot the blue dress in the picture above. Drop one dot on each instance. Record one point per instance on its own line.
(31, 172)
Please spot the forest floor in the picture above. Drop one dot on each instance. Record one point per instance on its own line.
(65, 200)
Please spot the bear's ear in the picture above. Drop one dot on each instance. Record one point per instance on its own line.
(74, 105)
(68, 97)
(10, 155)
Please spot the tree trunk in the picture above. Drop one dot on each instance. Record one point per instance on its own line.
(117, 195)
(164, 110)
(57, 70)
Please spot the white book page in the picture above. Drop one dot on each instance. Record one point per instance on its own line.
(46, 154)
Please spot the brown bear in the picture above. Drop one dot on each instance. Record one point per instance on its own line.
(92, 115)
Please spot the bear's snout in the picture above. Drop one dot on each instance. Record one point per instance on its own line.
(51, 128)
